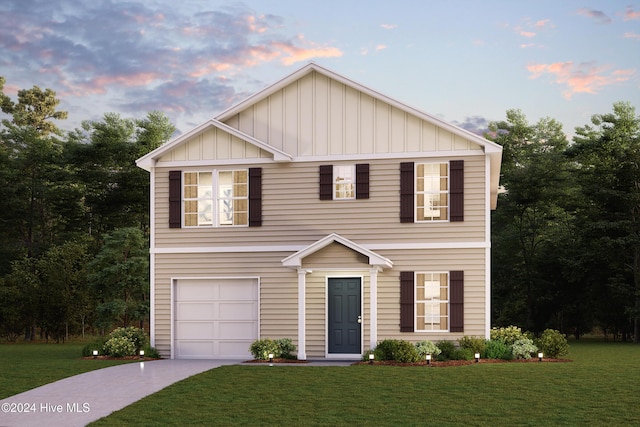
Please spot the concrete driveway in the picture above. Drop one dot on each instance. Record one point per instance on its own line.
(81, 399)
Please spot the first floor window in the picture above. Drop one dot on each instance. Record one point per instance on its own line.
(432, 301)
(218, 198)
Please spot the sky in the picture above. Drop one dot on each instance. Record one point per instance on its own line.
(465, 61)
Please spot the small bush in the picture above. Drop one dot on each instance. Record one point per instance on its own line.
(447, 349)
(475, 344)
(134, 335)
(462, 354)
(508, 335)
(553, 344)
(260, 349)
(87, 350)
(119, 347)
(151, 352)
(523, 348)
(427, 347)
(497, 349)
(285, 348)
(398, 350)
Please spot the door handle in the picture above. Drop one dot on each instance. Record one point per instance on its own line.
(359, 319)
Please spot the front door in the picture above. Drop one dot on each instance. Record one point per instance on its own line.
(345, 321)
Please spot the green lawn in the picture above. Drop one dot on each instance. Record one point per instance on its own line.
(27, 366)
(600, 387)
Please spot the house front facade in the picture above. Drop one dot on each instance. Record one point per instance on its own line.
(322, 211)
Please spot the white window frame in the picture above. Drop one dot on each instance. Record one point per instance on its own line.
(428, 193)
(344, 186)
(213, 199)
(432, 302)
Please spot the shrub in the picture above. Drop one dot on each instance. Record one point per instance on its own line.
(508, 335)
(553, 344)
(285, 348)
(446, 350)
(462, 354)
(134, 335)
(151, 352)
(497, 349)
(398, 350)
(427, 347)
(475, 344)
(87, 350)
(523, 348)
(260, 349)
(119, 347)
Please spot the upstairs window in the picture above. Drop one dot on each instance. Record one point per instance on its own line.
(218, 198)
(344, 182)
(432, 192)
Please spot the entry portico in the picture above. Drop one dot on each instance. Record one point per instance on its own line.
(376, 263)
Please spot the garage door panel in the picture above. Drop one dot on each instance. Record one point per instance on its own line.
(238, 311)
(195, 311)
(196, 330)
(215, 318)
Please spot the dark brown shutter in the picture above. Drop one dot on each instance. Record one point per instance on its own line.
(456, 192)
(456, 301)
(175, 199)
(326, 182)
(255, 197)
(406, 192)
(362, 181)
(406, 301)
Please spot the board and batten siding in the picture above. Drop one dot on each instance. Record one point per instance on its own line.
(319, 116)
(292, 213)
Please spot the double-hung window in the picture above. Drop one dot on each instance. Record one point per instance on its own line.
(216, 198)
(432, 301)
(432, 192)
(344, 181)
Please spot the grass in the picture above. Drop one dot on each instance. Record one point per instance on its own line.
(24, 366)
(600, 387)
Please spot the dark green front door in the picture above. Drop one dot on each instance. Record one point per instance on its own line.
(345, 320)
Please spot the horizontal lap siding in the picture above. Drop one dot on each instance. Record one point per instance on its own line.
(292, 213)
(471, 261)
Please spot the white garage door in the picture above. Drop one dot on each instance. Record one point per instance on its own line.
(215, 318)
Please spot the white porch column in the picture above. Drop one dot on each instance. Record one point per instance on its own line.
(373, 307)
(302, 314)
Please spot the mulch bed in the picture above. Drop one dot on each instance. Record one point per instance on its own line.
(449, 363)
(276, 361)
(143, 359)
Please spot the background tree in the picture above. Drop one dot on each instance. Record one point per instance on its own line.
(608, 155)
(120, 278)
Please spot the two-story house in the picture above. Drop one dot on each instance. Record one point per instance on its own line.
(320, 210)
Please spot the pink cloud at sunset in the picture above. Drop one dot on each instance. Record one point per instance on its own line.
(298, 54)
(631, 14)
(580, 78)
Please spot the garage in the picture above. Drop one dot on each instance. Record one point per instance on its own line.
(215, 318)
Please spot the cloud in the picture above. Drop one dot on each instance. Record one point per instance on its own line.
(475, 124)
(144, 51)
(580, 78)
(543, 23)
(388, 26)
(598, 15)
(631, 35)
(631, 14)
(527, 34)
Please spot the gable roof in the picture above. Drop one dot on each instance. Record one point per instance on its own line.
(295, 260)
(147, 161)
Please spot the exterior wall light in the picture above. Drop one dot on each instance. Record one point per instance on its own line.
(371, 357)
(540, 357)
(477, 357)
(428, 359)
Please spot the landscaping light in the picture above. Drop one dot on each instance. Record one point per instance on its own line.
(371, 357)
(141, 354)
(540, 357)
(271, 359)
(477, 357)
(95, 354)
(428, 359)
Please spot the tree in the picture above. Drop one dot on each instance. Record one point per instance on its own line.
(120, 278)
(530, 220)
(608, 155)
